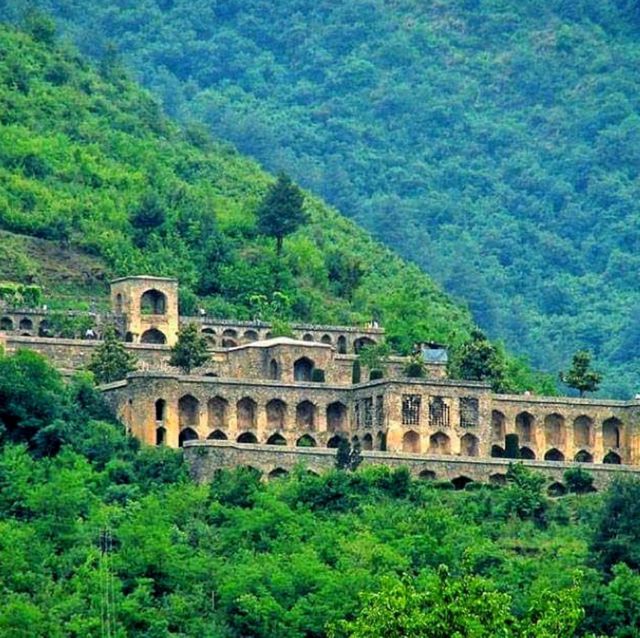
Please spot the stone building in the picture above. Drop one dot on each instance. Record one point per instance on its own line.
(299, 392)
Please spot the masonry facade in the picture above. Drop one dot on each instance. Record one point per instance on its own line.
(299, 392)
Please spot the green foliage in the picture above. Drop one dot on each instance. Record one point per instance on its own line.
(478, 360)
(415, 368)
(524, 495)
(580, 376)
(110, 360)
(578, 480)
(281, 211)
(375, 358)
(190, 350)
(20, 295)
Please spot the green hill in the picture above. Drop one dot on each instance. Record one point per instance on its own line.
(494, 143)
(96, 182)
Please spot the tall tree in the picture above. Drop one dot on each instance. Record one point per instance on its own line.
(479, 360)
(580, 376)
(281, 212)
(190, 351)
(110, 361)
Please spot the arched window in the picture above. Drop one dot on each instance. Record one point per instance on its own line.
(274, 370)
(367, 442)
(336, 417)
(247, 437)
(303, 369)
(26, 324)
(210, 335)
(554, 430)
(326, 339)
(249, 336)
(469, 445)
(306, 415)
(119, 304)
(611, 433)
(306, 441)
(363, 342)
(188, 411)
(161, 436)
(307, 337)
(527, 454)
(161, 405)
(276, 439)
(153, 336)
(153, 302)
(497, 452)
(217, 435)
(276, 414)
(218, 413)
(584, 457)
(6, 323)
(460, 482)
(334, 441)
(188, 434)
(381, 441)
(439, 443)
(342, 344)
(554, 455)
(524, 426)
(246, 412)
(612, 458)
(583, 431)
(497, 425)
(411, 442)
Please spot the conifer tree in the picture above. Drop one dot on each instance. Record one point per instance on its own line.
(110, 361)
(281, 212)
(580, 376)
(190, 351)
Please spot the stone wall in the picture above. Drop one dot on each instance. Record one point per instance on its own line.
(206, 457)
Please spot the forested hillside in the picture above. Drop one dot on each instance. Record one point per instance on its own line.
(493, 142)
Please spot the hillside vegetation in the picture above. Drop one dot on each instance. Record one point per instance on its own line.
(493, 142)
(95, 179)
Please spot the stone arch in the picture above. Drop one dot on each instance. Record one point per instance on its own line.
(6, 323)
(334, 441)
(427, 475)
(497, 425)
(556, 489)
(187, 434)
(161, 435)
(612, 458)
(303, 369)
(307, 337)
(469, 445)
(153, 302)
(210, 335)
(229, 338)
(274, 370)
(498, 479)
(367, 442)
(188, 411)
(439, 443)
(217, 435)
(276, 439)
(25, 324)
(326, 339)
(584, 457)
(246, 413)
(611, 433)
(44, 329)
(411, 442)
(278, 472)
(361, 343)
(336, 417)
(524, 426)
(527, 454)
(218, 413)
(247, 437)
(306, 415)
(276, 414)
(306, 441)
(497, 452)
(128, 337)
(554, 454)
(461, 482)
(249, 336)
(381, 441)
(583, 431)
(153, 335)
(342, 344)
(160, 410)
(554, 433)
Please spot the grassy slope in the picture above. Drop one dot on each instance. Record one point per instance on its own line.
(79, 151)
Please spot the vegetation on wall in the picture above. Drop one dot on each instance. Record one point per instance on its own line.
(87, 160)
(493, 142)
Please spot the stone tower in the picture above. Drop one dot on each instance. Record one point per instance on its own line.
(149, 306)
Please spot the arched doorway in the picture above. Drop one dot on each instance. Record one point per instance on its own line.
(303, 369)
(153, 302)
(411, 442)
(439, 443)
(524, 426)
(469, 445)
(336, 417)
(246, 414)
(153, 336)
(276, 439)
(218, 413)
(306, 415)
(276, 414)
(187, 434)
(188, 411)
(306, 441)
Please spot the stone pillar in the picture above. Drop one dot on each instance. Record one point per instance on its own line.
(171, 423)
(569, 444)
(321, 417)
(202, 427)
(261, 423)
(598, 446)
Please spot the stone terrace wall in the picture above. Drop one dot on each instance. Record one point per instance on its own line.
(205, 457)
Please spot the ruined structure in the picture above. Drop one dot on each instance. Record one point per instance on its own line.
(300, 393)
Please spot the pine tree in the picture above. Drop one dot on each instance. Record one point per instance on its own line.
(190, 351)
(580, 376)
(110, 361)
(281, 212)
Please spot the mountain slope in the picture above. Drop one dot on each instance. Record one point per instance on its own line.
(84, 156)
(493, 143)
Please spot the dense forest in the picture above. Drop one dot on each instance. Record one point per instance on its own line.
(100, 537)
(493, 142)
(94, 178)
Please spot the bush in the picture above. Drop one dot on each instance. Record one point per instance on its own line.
(578, 481)
(374, 375)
